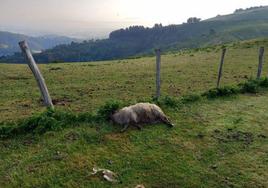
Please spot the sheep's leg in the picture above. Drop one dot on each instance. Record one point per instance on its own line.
(125, 128)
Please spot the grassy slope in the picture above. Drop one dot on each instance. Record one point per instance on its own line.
(216, 143)
(85, 86)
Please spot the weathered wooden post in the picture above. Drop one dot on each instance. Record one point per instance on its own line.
(261, 59)
(221, 66)
(158, 67)
(37, 74)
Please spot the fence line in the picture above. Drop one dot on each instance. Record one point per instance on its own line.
(48, 101)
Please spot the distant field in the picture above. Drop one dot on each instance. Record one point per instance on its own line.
(215, 143)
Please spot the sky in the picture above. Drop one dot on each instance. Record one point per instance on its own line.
(97, 18)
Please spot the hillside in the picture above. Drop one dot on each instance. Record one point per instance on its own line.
(218, 142)
(137, 40)
(9, 42)
(253, 13)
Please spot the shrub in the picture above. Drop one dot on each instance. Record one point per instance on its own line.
(227, 91)
(250, 86)
(108, 109)
(264, 82)
(6, 130)
(221, 92)
(212, 93)
(254, 85)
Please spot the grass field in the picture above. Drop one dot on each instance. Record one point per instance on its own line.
(215, 143)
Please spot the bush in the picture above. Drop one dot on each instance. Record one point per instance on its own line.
(6, 130)
(227, 91)
(250, 86)
(212, 93)
(108, 109)
(264, 82)
(221, 92)
(254, 85)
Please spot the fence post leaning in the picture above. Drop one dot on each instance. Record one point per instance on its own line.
(221, 66)
(37, 74)
(261, 59)
(158, 72)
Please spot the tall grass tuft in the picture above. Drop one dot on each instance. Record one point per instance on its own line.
(105, 111)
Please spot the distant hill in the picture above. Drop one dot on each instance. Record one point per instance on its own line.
(253, 13)
(243, 24)
(9, 42)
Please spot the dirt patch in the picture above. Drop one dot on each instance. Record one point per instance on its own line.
(89, 65)
(17, 78)
(59, 102)
(55, 69)
(231, 135)
(24, 105)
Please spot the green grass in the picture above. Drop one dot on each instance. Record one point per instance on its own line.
(54, 120)
(215, 143)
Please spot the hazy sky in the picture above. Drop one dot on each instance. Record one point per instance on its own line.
(96, 18)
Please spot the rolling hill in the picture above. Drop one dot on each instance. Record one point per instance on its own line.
(137, 41)
(9, 42)
(253, 13)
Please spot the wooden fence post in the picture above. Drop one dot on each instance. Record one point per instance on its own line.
(37, 74)
(158, 67)
(261, 52)
(221, 66)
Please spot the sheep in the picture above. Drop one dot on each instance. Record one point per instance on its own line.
(141, 113)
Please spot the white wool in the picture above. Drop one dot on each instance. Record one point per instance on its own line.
(140, 113)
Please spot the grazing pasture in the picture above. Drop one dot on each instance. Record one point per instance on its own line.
(218, 142)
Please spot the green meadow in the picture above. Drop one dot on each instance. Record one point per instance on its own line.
(219, 142)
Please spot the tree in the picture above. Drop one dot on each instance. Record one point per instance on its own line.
(156, 26)
(193, 20)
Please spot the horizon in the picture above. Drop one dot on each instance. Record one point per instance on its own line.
(96, 19)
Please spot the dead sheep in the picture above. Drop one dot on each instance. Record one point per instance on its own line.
(141, 113)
